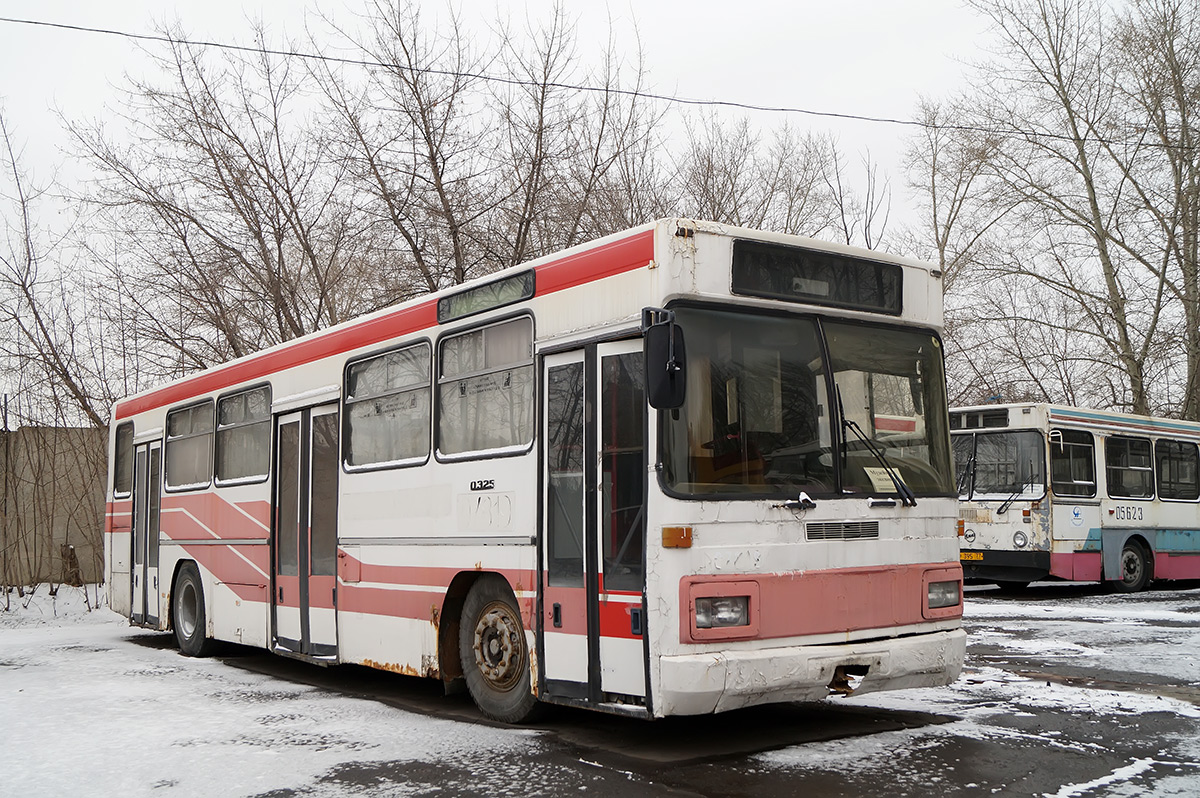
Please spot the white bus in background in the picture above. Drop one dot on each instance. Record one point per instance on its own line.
(1121, 505)
(679, 470)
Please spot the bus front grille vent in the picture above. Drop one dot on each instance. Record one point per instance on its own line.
(842, 530)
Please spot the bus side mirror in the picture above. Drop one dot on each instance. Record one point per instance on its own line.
(665, 361)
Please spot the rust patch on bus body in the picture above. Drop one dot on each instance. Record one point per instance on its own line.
(403, 670)
(435, 617)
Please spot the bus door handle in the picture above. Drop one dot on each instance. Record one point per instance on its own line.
(556, 615)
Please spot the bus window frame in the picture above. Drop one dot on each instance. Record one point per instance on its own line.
(166, 442)
(816, 314)
(128, 492)
(1108, 467)
(1158, 470)
(216, 452)
(347, 403)
(436, 363)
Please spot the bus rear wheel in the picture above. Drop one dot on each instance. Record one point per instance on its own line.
(187, 613)
(1135, 569)
(495, 657)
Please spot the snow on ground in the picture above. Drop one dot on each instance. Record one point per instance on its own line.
(1105, 632)
(136, 719)
(86, 700)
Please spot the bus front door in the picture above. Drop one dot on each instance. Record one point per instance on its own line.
(305, 533)
(147, 506)
(592, 624)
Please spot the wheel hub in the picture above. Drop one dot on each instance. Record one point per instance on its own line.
(187, 610)
(1131, 567)
(498, 647)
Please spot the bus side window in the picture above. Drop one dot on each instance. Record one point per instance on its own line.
(244, 436)
(1177, 466)
(189, 448)
(388, 409)
(1072, 463)
(1129, 470)
(485, 389)
(123, 460)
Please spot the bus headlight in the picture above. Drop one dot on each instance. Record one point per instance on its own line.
(1020, 540)
(719, 611)
(942, 594)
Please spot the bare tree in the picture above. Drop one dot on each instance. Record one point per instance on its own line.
(237, 227)
(478, 158)
(1080, 185)
(792, 183)
(1157, 146)
(48, 338)
(859, 218)
(947, 169)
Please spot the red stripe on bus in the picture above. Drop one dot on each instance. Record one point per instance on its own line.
(595, 264)
(231, 568)
(1079, 566)
(1170, 565)
(621, 256)
(304, 350)
(420, 575)
(893, 424)
(616, 617)
(210, 516)
(118, 516)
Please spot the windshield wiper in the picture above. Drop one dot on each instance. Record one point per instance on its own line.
(1003, 508)
(907, 497)
(968, 474)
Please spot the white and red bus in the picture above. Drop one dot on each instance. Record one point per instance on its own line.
(1084, 495)
(678, 470)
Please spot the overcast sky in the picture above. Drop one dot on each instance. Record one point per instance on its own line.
(863, 57)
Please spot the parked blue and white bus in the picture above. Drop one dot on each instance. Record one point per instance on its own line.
(1048, 491)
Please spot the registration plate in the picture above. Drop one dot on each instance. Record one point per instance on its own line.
(970, 555)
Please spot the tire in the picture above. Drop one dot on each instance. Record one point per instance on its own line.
(187, 613)
(495, 657)
(1135, 569)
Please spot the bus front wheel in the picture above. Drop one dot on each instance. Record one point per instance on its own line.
(1135, 569)
(495, 657)
(187, 613)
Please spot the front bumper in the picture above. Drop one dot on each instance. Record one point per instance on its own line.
(698, 684)
(1005, 566)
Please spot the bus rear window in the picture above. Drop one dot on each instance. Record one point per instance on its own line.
(123, 460)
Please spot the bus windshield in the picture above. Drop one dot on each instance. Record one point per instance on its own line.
(759, 418)
(1000, 465)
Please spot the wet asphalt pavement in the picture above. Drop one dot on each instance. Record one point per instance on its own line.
(1068, 692)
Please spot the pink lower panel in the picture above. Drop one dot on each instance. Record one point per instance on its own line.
(1079, 566)
(821, 602)
(1176, 566)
